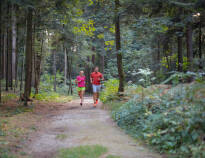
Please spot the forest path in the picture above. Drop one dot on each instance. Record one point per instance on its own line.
(84, 126)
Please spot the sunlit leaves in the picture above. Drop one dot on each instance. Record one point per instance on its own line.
(87, 28)
(79, 12)
(109, 43)
(100, 36)
(172, 60)
(112, 29)
(91, 2)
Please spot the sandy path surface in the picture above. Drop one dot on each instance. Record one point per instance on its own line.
(84, 126)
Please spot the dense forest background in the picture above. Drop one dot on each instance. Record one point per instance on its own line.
(50, 41)
(151, 52)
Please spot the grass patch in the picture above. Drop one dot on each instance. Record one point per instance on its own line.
(61, 137)
(93, 151)
(112, 156)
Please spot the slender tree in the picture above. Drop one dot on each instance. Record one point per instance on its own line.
(118, 47)
(54, 70)
(14, 37)
(65, 66)
(189, 41)
(180, 54)
(1, 49)
(28, 73)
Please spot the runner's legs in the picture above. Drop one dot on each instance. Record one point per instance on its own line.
(82, 96)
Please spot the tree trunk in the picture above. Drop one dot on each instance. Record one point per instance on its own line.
(158, 51)
(87, 74)
(70, 90)
(16, 66)
(4, 54)
(102, 59)
(14, 36)
(54, 70)
(200, 33)
(180, 55)
(93, 59)
(200, 41)
(189, 46)
(118, 47)
(28, 72)
(33, 57)
(22, 71)
(7, 50)
(1, 49)
(38, 69)
(9, 47)
(65, 66)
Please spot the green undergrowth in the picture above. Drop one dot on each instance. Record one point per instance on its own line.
(170, 119)
(8, 96)
(14, 110)
(5, 153)
(51, 96)
(94, 151)
(110, 91)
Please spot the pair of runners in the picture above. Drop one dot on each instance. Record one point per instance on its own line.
(95, 79)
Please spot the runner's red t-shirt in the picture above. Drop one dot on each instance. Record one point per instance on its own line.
(96, 76)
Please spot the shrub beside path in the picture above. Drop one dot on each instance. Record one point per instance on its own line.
(77, 126)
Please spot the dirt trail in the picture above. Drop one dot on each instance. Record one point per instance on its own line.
(84, 126)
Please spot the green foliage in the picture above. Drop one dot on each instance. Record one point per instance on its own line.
(8, 96)
(46, 91)
(110, 91)
(165, 61)
(172, 123)
(11, 111)
(51, 96)
(94, 151)
(146, 76)
(180, 77)
(5, 153)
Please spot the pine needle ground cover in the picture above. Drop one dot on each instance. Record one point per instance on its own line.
(171, 120)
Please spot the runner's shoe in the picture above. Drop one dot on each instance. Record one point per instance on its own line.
(95, 105)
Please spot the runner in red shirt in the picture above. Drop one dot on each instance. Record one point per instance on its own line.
(95, 79)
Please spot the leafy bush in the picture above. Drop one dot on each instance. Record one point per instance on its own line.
(172, 123)
(110, 91)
